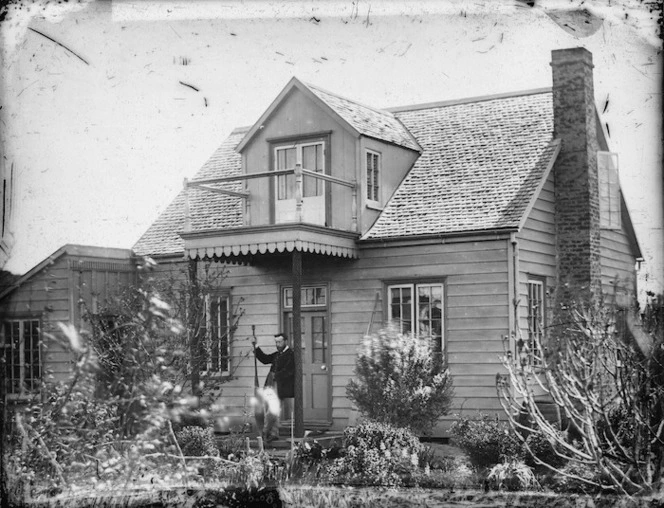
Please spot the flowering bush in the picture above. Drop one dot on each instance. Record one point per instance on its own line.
(486, 440)
(377, 454)
(400, 381)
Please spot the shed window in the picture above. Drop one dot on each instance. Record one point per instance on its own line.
(22, 339)
(417, 308)
(373, 176)
(609, 190)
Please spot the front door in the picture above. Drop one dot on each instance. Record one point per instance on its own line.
(315, 363)
(310, 156)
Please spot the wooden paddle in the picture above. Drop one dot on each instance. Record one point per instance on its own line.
(258, 410)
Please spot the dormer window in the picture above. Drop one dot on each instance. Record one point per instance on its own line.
(373, 163)
(609, 190)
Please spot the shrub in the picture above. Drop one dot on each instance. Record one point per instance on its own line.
(377, 454)
(486, 440)
(512, 475)
(541, 448)
(400, 381)
(197, 442)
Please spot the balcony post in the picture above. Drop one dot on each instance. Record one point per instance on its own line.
(298, 415)
(298, 192)
(354, 207)
(187, 215)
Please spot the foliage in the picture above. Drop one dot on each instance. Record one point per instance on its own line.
(376, 454)
(188, 292)
(197, 441)
(83, 428)
(538, 450)
(485, 439)
(512, 475)
(609, 385)
(401, 381)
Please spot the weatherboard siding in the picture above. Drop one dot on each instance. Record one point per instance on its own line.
(476, 314)
(618, 262)
(537, 250)
(54, 295)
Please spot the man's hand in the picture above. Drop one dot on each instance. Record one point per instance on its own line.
(253, 343)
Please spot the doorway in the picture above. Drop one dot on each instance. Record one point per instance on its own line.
(315, 363)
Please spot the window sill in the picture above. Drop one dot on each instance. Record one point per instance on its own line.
(375, 206)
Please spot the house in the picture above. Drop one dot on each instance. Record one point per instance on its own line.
(330, 219)
(71, 282)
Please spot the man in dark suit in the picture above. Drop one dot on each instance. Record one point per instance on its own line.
(280, 378)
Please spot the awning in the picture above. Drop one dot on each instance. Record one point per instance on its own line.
(271, 239)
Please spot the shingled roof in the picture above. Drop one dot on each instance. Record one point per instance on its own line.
(374, 123)
(207, 210)
(482, 162)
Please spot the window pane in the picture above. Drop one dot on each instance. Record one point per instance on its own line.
(312, 159)
(286, 159)
(535, 316)
(310, 296)
(400, 308)
(319, 339)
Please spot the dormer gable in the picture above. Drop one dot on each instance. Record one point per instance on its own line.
(357, 119)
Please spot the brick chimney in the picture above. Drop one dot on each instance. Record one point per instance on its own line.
(575, 171)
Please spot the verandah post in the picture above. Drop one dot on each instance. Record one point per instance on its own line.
(297, 341)
(193, 328)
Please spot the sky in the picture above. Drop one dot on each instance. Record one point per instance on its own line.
(103, 122)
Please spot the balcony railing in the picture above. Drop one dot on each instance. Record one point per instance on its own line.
(298, 171)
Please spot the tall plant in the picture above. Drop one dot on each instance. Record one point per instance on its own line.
(609, 391)
(187, 290)
(401, 381)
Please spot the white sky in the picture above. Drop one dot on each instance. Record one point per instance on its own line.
(101, 149)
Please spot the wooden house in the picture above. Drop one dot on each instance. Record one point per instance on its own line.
(452, 219)
(331, 219)
(74, 280)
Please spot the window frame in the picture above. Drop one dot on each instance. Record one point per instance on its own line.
(7, 349)
(529, 356)
(224, 368)
(415, 310)
(287, 307)
(299, 146)
(373, 185)
(608, 176)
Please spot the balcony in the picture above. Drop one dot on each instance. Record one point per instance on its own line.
(296, 224)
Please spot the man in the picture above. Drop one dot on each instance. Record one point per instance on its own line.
(282, 378)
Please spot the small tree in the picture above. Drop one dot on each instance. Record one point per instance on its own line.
(401, 381)
(188, 291)
(609, 392)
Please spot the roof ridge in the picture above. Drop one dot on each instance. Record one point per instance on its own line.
(468, 100)
(372, 108)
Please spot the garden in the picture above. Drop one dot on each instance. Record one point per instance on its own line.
(124, 431)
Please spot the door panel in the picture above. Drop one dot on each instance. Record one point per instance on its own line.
(315, 366)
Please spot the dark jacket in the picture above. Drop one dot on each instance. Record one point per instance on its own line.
(282, 370)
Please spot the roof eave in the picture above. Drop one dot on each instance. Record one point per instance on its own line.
(456, 235)
(549, 167)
